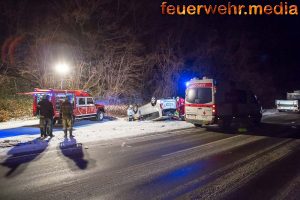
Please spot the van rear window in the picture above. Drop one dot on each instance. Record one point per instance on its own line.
(199, 95)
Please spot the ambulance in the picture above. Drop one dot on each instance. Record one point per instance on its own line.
(209, 103)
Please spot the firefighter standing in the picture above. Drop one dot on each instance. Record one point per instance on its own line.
(180, 107)
(66, 113)
(46, 112)
(130, 113)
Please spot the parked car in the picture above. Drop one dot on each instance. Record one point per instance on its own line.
(291, 104)
(157, 109)
(83, 103)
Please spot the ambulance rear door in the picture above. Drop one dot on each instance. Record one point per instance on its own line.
(200, 102)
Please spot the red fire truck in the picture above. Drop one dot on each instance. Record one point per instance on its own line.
(83, 103)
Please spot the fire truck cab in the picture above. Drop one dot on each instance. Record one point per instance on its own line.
(83, 103)
(207, 103)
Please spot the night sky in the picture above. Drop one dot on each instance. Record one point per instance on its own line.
(271, 43)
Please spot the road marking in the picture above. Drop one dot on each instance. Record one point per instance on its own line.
(200, 146)
(169, 133)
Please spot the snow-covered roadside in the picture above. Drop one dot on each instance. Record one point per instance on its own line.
(17, 123)
(21, 135)
(272, 116)
(267, 112)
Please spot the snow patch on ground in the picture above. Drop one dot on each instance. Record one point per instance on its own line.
(18, 123)
(269, 112)
(22, 135)
(272, 116)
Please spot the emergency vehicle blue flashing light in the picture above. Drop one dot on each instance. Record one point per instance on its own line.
(187, 84)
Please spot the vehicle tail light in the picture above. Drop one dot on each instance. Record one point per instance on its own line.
(214, 109)
(162, 106)
(215, 89)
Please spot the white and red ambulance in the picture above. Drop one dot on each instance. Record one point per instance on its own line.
(208, 103)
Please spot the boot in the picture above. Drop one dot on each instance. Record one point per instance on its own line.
(71, 132)
(42, 132)
(49, 131)
(65, 131)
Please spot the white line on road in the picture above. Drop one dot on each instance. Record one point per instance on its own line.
(174, 133)
(200, 146)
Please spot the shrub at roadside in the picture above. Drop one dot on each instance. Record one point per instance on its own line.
(116, 110)
(15, 107)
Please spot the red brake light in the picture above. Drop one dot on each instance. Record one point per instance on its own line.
(214, 109)
(162, 106)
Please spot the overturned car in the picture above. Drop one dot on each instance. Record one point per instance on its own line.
(156, 109)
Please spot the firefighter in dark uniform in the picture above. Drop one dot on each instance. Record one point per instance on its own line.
(66, 112)
(46, 112)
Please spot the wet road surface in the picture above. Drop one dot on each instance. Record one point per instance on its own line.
(196, 163)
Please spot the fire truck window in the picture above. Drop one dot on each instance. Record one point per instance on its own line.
(90, 101)
(38, 98)
(81, 101)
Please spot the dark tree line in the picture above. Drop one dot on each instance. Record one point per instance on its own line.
(127, 49)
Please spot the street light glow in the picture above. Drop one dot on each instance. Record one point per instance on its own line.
(62, 68)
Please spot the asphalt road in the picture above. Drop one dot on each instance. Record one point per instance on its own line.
(195, 163)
